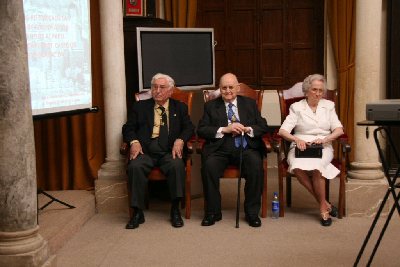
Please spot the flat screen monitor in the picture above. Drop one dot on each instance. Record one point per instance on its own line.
(186, 54)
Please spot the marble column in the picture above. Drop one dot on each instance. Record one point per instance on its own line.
(20, 242)
(110, 187)
(366, 185)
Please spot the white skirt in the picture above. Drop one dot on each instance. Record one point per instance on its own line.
(323, 164)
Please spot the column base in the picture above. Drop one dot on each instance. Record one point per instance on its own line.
(366, 171)
(110, 188)
(365, 190)
(24, 248)
(363, 198)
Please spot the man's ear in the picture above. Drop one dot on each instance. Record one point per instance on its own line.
(171, 91)
(239, 84)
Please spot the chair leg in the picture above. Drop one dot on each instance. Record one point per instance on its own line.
(188, 184)
(281, 194)
(327, 189)
(342, 195)
(289, 190)
(264, 192)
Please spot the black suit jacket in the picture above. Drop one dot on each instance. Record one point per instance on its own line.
(141, 122)
(215, 116)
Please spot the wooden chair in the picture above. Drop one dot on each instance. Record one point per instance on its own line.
(156, 173)
(232, 171)
(281, 146)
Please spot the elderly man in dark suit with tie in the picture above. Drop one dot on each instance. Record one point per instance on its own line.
(157, 130)
(224, 120)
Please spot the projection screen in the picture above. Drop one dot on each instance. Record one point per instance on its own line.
(59, 56)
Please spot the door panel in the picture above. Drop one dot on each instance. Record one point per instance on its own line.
(266, 43)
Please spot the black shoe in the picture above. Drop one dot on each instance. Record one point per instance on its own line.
(211, 218)
(137, 218)
(253, 220)
(333, 211)
(176, 219)
(325, 220)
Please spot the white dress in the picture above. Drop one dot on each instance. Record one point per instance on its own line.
(309, 126)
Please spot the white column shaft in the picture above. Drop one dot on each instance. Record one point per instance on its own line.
(112, 47)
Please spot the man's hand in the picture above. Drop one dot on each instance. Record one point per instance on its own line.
(236, 128)
(177, 149)
(134, 150)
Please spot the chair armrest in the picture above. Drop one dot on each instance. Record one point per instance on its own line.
(123, 150)
(344, 142)
(190, 144)
(267, 142)
(200, 145)
(277, 142)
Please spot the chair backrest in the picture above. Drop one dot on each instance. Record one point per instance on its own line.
(180, 95)
(245, 90)
(285, 100)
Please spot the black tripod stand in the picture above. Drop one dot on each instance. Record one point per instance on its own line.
(41, 191)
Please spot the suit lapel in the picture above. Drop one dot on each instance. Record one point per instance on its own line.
(241, 110)
(150, 115)
(221, 112)
(172, 116)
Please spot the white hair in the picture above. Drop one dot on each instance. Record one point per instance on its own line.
(169, 79)
(309, 80)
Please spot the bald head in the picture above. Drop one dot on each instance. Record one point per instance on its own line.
(229, 86)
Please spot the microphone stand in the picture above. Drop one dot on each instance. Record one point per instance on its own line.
(239, 180)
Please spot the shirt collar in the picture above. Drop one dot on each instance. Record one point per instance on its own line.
(166, 105)
(234, 102)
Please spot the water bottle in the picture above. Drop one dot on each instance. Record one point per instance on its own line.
(275, 206)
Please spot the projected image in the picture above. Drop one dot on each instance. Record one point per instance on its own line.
(58, 36)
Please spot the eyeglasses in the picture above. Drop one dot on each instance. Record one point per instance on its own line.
(230, 87)
(317, 90)
(161, 87)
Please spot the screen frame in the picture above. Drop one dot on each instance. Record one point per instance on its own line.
(62, 109)
(140, 30)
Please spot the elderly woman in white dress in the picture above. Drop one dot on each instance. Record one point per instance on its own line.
(313, 120)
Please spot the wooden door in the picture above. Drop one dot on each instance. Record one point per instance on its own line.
(266, 43)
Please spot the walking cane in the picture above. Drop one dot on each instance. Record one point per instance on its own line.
(239, 180)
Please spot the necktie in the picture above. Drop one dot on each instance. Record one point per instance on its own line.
(163, 135)
(232, 118)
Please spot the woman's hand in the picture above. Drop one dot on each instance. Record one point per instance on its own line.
(300, 144)
(320, 141)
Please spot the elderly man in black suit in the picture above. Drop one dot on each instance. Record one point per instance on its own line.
(157, 130)
(224, 120)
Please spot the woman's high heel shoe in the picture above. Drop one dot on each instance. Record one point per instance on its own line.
(325, 219)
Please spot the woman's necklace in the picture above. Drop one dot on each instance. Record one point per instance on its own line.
(313, 108)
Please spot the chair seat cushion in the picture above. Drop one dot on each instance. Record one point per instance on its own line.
(156, 174)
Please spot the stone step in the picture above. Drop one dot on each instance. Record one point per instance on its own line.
(57, 222)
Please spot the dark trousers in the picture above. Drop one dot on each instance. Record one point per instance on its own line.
(252, 170)
(139, 169)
